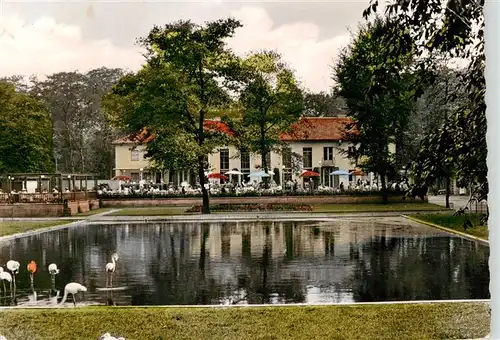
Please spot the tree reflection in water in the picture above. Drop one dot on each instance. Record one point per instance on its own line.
(261, 262)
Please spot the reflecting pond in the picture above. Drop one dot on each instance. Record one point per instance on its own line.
(338, 261)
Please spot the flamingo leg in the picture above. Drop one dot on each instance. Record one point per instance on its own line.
(111, 276)
(4, 289)
(74, 300)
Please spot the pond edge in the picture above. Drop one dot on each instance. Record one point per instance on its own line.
(451, 231)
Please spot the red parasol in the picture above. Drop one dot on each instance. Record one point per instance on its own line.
(121, 178)
(217, 175)
(357, 172)
(309, 174)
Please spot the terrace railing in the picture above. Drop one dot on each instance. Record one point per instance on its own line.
(21, 197)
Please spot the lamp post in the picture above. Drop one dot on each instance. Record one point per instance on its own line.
(320, 173)
(140, 172)
(283, 177)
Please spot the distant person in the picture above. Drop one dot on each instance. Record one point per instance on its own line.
(341, 186)
(295, 185)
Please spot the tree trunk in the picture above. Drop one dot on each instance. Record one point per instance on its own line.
(385, 197)
(204, 191)
(263, 154)
(448, 191)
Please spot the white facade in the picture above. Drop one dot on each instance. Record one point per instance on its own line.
(320, 149)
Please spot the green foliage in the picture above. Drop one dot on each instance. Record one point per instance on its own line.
(187, 79)
(82, 137)
(271, 101)
(379, 91)
(25, 133)
(323, 104)
(452, 29)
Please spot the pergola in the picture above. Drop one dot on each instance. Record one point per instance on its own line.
(39, 187)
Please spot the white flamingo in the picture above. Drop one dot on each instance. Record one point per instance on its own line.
(5, 276)
(13, 267)
(107, 336)
(53, 271)
(72, 288)
(110, 269)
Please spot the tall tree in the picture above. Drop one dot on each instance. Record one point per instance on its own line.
(25, 132)
(82, 137)
(378, 93)
(271, 101)
(188, 75)
(323, 104)
(454, 29)
(434, 108)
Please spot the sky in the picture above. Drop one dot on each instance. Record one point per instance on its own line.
(41, 38)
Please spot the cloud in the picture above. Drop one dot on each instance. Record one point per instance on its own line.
(298, 43)
(47, 46)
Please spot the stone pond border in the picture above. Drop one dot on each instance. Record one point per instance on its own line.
(304, 304)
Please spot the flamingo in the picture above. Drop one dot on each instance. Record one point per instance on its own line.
(110, 269)
(31, 267)
(72, 288)
(107, 336)
(13, 267)
(53, 271)
(5, 276)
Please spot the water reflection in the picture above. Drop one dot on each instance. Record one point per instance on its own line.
(249, 263)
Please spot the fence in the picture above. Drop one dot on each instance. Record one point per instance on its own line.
(13, 198)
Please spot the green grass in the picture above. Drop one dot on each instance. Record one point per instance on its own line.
(376, 207)
(93, 212)
(14, 227)
(319, 208)
(153, 211)
(456, 223)
(397, 321)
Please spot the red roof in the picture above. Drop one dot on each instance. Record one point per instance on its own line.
(318, 129)
(145, 137)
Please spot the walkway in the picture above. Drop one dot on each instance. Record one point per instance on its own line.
(456, 201)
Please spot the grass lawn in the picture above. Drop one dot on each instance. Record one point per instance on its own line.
(375, 207)
(93, 212)
(319, 208)
(14, 227)
(153, 211)
(456, 223)
(411, 321)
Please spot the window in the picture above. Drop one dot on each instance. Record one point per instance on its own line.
(307, 158)
(245, 160)
(351, 150)
(328, 153)
(224, 160)
(287, 158)
(135, 155)
(135, 176)
(268, 160)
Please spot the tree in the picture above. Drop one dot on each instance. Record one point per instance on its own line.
(323, 104)
(25, 132)
(187, 78)
(434, 107)
(454, 29)
(82, 137)
(437, 159)
(271, 101)
(378, 91)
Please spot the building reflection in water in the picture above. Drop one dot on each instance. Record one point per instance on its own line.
(260, 262)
